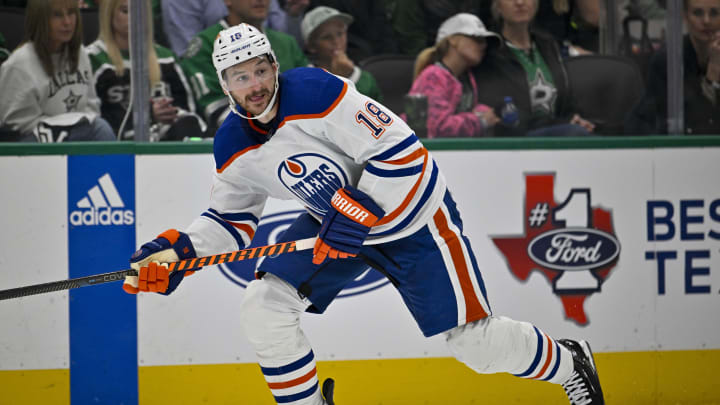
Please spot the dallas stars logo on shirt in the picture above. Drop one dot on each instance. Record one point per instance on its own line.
(542, 94)
(71, 101)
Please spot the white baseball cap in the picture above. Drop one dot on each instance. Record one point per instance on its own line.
(465, 24)
(317, 16)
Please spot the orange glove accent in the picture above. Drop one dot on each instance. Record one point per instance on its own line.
(172, 235)
(322, 250)
(153, 278)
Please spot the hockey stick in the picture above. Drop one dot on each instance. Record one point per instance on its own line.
(182, 265)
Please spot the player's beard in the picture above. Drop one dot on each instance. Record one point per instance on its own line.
(256, 105)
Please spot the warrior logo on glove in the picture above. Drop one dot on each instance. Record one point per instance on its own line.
(346, 225)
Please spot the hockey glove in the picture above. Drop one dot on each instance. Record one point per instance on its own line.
(346, 225)
(169, 246)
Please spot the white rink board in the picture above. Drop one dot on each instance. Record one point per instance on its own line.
(198, 323)
(33, 249)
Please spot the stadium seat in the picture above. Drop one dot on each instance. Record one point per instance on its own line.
(12, 21)
(394, 75)
(605, 89)
(9, 135)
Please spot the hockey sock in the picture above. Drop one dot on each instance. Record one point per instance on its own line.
(295, 382)
(498, 344)
(270, 315)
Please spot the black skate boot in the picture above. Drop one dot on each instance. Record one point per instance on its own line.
(583, 387)
(328, 390)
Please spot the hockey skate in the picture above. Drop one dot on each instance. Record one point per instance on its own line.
(328, 390)
(583, 386)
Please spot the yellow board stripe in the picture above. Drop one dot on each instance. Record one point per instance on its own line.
(35, 387)
(637, 378)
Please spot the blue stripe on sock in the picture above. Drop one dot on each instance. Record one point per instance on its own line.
(538, 355)
(295, 397)
(557, 363)
(296, 365)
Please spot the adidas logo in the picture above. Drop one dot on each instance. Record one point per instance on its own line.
(102, 206)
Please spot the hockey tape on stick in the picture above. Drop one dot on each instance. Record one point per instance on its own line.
(182, 265)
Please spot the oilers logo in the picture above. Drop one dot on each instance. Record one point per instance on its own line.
(269, 231)
(572, 243)
(313, 178)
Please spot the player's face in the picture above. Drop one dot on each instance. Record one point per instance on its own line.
(249, 11)
(472, 49)
(63, 20)
(330, 37)
(252, 84)
(702, 18)
(120, 20)
(517, 11)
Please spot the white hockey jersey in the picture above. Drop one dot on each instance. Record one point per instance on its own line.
(326, 135)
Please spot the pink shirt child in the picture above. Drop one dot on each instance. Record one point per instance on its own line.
(444, 92)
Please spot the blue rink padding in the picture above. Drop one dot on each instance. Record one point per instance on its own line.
(103, 319)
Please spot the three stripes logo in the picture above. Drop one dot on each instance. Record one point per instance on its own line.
(102, 206)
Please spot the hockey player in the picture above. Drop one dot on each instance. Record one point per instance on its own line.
(372, 191)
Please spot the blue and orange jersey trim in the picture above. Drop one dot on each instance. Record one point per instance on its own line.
(233, 139)
(236, 224)
(406, 158)
(309, 93)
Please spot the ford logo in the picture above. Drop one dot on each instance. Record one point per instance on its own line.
(269, 231)
(574, 249)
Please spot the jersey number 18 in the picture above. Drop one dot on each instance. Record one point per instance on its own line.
(375, 120)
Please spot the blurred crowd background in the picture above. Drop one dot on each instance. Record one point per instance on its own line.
(451, 68)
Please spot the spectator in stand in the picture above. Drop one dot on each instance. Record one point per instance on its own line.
(573, 23)
(172, 107)
(528, 68)
(701, 60)
(197, 61)
(416, 22)
(372, 33)
(47, 87)
(442, 73)
(324, 30)
(156, 14)
(183, 19)
(286, 16)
